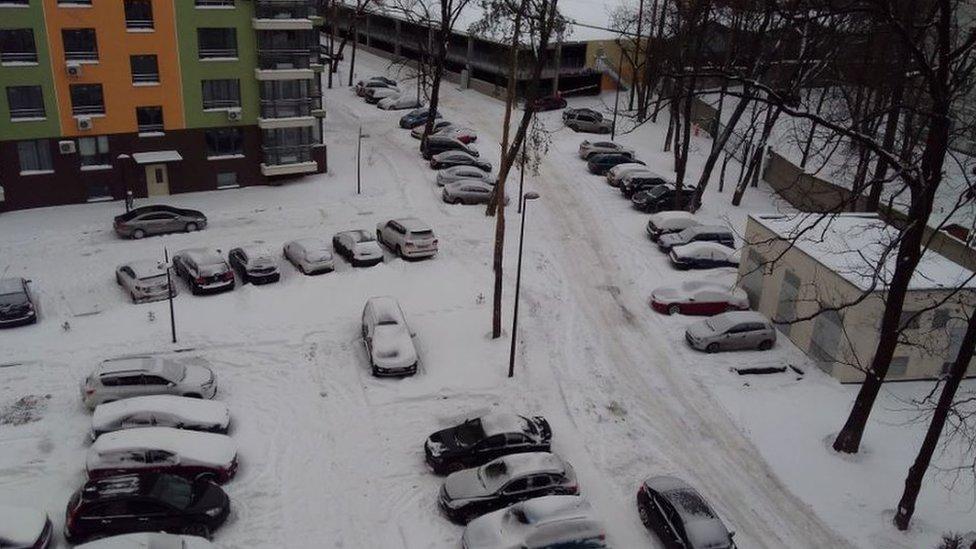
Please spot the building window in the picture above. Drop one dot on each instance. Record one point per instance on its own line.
(288, 145)
(93, 151)
(825, 343)
(138, 14)
(217, 43)
(80, 44)
(35, 156)
(145, 69)
(225, 141)
(227, 180)
(17, 46)
(286, 98)
(898, 366)
(25, 102)
(99, 191)
(16, 2)
(221, 94)
(87, 99)
(789, 290)
(149, 119)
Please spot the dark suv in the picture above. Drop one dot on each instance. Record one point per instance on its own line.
(482, 439)
(16, 303)
(600, 163)
(437, 144)
(662, 198)
(147, 502)
(633, 184)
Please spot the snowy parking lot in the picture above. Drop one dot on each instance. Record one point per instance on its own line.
(332, 457)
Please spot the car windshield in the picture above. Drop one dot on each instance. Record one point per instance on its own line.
(492, 474)
(172, 490)
(657, 191)
(469, 432)
(173, 371)
(13, 298)
(362, 236)
(155, 279)
(690, 504)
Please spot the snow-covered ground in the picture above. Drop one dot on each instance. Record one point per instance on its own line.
(331, 457)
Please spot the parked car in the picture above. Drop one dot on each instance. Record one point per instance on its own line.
(569, 114)
(133, 376)
(662, 198)
(388, 339)
(599, 163)
(437, 144)
(663, 223)
(145, 281)
(734, 330)
(189, 454)
(468, 192)
(254, 264)
(478, 440)
(174, 411)
(399, 103)
(464, 135)
(24, 527)
(418, 131)
(703, 255)
(589, 148)
(450, 159)
(148, 540)
(616, 173)
(310, 255)
(545, 522)
(204, 270)
(375, 94)
(409, 237)
(680, 516)
(145, 502)
(358, 247)
(158, 219)
(699, 297)
(587, 121)
(463, 173)
(374, 82)
(548, 103)
(17, 306)
(499, 483)
(417, 118)
(698, 233)
(635, 182)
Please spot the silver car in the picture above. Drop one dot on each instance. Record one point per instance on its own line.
(468, 192)
(310, 255)
(586, 120)
(409, 237)
(736, 330)
(439, 125)
(588, 148)
(388, 339)
(144, 280)
(133, 376)
(358, 247)
(158, 219)
(462, 173)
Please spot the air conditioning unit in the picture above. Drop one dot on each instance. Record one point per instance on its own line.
(66, 147)
(234, 114)
(84, 123)
(73, 68)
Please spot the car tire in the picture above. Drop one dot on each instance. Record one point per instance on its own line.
(199, 530)
(766, 345)
(645, 516)
(194, 289)
(138, 234)
(193, 395)
(711, 348)
(399, 251)
(133, 296)
(190, 227)
(209, 477)
(674, 309)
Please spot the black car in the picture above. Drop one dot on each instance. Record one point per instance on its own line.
(680, 516)
(547, 103)
(16, 303)
(632, 185)
(662, 198)
(437, 144)
(416, 118)
(448, 159)
(600, 163)
(479, 440)
(146, 502)
(255, 265)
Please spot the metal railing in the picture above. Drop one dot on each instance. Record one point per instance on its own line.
(150, 128)
(213, 53)
(87, 55)
(210, 3)
(74, 2)
(18, 57)
(287, 58)
(221, 103)
(28, 112)
(88, 109)
(138, 23)
(284, 10)
(285, 108)
(145, 77)
(287, 154)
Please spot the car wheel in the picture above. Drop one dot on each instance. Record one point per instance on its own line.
(766, 345)
(711, 348)
(199, 530)
(138, 234)
(674, 309)
(209, 477)
(399, 251)
(193, 395)
(133, 296)
(190, 227)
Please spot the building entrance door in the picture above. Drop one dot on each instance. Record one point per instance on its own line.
(157, 180)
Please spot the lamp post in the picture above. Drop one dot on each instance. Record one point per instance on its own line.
(122, 161)
(616, 97)
(518, 280)
(359, 148)
(169, 287)
(522, 174)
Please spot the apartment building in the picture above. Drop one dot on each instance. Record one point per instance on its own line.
(102, 97)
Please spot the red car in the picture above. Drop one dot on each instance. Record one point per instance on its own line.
(189, 454)
(699, 297)
(548, 103)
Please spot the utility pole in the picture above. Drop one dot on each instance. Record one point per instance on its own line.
(521, 177)
(169, 287)
(359, 149)
(616, 96)
(518, 283)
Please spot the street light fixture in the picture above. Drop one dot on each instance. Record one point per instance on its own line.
(523, 200)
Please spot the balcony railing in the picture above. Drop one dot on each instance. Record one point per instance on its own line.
(221, 103)
(284, 10)
(138, 23)
(287, 58)
(145, 78)
(286, 108)
(287, 154)
(150, 128)
(87, 109)
(74, 2)
(88, 55)
(29, 112)
(215, 53)
(212, 3)
(18, 57)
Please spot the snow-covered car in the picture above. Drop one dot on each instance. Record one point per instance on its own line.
(587, 121)
(703, 255)
(417, 118)
(375, 94)
(663, 223)
(437, 144)
(569, 114)
(547, 103)
(144, 280)
(478, 440)
(735, 330)
(310, 255)
(588, 148)
(388, 340)
(509, 479)
(158, 219)
(254, 264)
(178, 412)
(204, 270)
(635, 182)
(698, 233)
(468, 192)
(409, 237)
(463, 173)
(666, 197)
(359, 247)
(148, 540)
(374, 82)
(699, 297)
(616, 173)
(399, 103)
(134, 376)
(450, 159)
(190, 454)
(17, 305)
(680, 516)
(600, 163)
(418, 131)
(538, 523)
(464, 135)
(24, 528)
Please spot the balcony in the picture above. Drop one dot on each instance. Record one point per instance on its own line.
(15, 57)
(27, 113)
(218, 53)
(290, 108)
(284, 15)
(288, 160)
(145, 78)
(287, 58)
(81, 55)
(139, 24)
(214, 3)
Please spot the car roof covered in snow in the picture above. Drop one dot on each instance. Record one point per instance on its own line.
(551, 507)
(147, 268)
(312, 243)
(148, 540)
(206, 411)
(565, 530)
(517, 465)
(501, 423)
(385, 307)
(413, 224)
(358, 235)
(703, 527)
(130, 364)
(670, 216)
(257, 251)
(698, 229)
(20, 526)
(203, 447)
(11, 285)
(203, 256)
(739, 317)
(693, 248)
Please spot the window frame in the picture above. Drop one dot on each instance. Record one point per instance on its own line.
(102, 155)
(156, 123)
(225, 50)
(87, 109)
(217, 139)
(220, 93)
(143, 76)
(28, 113)
(132, 20)
(81, 55)
(20, 39)
(41, 149)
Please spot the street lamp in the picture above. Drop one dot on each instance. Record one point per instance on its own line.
(169, 287)
(359, 148)
(523, 200)
(616, 97)
(123, 164)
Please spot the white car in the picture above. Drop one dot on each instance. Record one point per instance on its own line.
(127, 377)
(409, 237)
(703, 255)
(464, 135)
(377, 94)
(148, 540)
(462, 173)
(618, 172)
(310, 255)
(668, 222)
(24, 527)
(373, 82)
(699, 297)
(144, 280)
(399, 103)
(547, 521)
(588, 148)
(160, 411)
(358, 247)
(188, 454)
(388, 339)
(468, 192)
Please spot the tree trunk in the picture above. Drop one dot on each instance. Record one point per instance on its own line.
(772, 115)
(719, 145)
(509, 93)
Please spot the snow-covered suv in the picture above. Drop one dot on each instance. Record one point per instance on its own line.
(388, 339)
(133, 376)
(408, 237)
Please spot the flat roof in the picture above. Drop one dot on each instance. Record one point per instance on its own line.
(857, 245)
